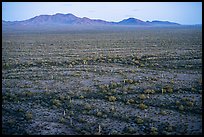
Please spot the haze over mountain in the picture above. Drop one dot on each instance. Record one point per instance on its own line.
(70, 19)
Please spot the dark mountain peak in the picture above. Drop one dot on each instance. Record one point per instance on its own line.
(132, 18)
(58, 14)
(132, 21)
(86, 18)
(61, 14)
(70, 14)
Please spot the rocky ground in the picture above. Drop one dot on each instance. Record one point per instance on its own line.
(145, 82)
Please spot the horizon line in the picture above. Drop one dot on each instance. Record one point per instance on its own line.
(96, 18)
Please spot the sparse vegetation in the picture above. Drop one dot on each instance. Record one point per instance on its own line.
(62, 120)
(107, 82)
(112, 98)
(139, 120)
(142, 96)
(168, 89)
(149, 91)
(162, 112)
(130, 101)
(181, 107)
(142, 106)
(56, 103)
(28, 115)
(154, 131)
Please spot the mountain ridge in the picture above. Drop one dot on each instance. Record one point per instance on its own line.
(70, 19)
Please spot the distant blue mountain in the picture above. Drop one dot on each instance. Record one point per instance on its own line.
(156, 22)
(132, 21)
(70, 19)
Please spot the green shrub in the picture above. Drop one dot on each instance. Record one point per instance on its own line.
(128, 81)
(112, 98)
(87, 106)
(169, 128)
(11, 121)
(149, 91)
(62, 97)
(56, 102)
(167, 89)
(112, 109)
(177, 103)
(62, 120)
(113, 85)
(28, 116)
(181, 107)
(139, 120)
(99, 114)
(113, 132)
(142, 106)
(153, 131)
(142, 96)
(190, 103)
(81, 97)
(162, 112)
(163, 90)
(130, 101)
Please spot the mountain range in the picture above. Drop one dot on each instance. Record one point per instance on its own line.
(70, 19)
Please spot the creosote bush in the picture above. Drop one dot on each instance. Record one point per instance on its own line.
(167, 88)
(81, 97)
(162, 112)
(112, 98)
(99, 114)
(142, 96)
(142, 106)
(153, 131)
(128, 81)
(181, 107)
(62, 120)
(178, 103)
(28, 116)
(130, 101)
(149, 91)
(56, 102)
(139, 120)
(190, 103)
(87, 106)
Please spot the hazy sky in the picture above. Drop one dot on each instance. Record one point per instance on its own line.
(180, 12)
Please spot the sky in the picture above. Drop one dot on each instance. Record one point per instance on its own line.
(186, 13)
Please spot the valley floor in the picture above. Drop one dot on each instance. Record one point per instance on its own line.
(138, 82)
